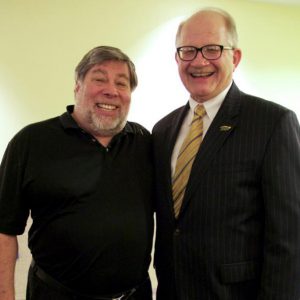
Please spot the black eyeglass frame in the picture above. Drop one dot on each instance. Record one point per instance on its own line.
(200, 50)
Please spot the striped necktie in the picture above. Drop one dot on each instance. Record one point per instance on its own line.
(186, 157)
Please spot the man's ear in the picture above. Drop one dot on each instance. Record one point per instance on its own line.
(77, 86)
(176, 57)
(237, 55)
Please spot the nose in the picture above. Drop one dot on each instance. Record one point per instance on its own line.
(110, 90)
(200, 60)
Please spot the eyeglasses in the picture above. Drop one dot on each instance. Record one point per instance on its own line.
(209, 52)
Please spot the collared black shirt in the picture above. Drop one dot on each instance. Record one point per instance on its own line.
(91, 205)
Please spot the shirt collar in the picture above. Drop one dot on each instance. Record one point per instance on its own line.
(67, 120)
(212, 105)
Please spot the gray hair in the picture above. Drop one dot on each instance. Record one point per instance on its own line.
(101, 54)
(229, 22)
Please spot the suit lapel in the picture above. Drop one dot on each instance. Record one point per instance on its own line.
(170, 138)
(175, 127)
(221, 128)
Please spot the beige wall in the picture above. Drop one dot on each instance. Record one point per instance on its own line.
(43, 40)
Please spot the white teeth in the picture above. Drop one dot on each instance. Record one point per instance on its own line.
(106, 106)
(201, 74)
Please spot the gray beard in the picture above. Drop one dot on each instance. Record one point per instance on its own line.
(102, 127)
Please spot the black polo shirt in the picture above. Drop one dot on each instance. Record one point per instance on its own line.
(91, 206)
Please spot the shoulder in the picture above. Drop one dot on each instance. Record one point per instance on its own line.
(169, 119)
(252, 102)
(247, 101)
(35, 130)
(139, 136)
(41, 125)
(264, 109)
(261, 116)
(254, 107)
(136, 129)
(26, 139)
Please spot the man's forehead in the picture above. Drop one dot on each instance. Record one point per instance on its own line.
(202, 27)
(119, 67)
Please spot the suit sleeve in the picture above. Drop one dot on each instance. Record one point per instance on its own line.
(281, 194)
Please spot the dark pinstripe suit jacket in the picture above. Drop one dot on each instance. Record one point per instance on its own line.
(238, 233)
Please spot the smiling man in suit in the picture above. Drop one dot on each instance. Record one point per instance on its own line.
(228, 173)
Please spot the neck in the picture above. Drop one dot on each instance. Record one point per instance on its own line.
(104, 140)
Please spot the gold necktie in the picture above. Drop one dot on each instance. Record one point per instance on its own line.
(186, 157)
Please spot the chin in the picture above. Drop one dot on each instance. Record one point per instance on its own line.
(109, 128)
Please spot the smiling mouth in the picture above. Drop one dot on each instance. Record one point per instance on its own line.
(108, 107)
(202, 75)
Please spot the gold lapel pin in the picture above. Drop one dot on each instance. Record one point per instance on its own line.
(225, 128)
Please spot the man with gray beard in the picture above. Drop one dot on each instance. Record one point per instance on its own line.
(86, 179)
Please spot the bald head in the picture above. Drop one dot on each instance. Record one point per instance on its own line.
(208, 17)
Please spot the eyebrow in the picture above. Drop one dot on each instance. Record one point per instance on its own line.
(120, 75)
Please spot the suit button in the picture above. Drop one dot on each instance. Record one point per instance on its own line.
(177, 232)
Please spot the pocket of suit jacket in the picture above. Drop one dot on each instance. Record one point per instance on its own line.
(237, 272)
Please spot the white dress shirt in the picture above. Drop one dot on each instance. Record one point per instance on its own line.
(211, 107)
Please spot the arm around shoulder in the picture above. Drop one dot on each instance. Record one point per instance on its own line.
(8, 255)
